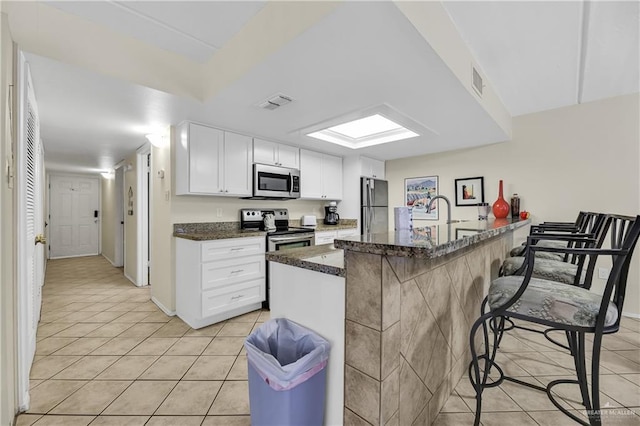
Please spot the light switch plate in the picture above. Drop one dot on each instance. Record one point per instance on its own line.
(603, 273)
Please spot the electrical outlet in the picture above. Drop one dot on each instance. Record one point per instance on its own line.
(603, 273)
(219, 212)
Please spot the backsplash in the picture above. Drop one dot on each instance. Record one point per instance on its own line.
(188, 209)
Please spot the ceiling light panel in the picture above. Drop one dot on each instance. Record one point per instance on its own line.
(363, 132)
(367, 126)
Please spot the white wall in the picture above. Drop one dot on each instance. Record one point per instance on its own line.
(162, 276)
(561, 161)
(8, 325)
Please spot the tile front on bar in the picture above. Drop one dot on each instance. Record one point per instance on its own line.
(407, 329)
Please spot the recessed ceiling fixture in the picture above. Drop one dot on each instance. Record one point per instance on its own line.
(371, 130)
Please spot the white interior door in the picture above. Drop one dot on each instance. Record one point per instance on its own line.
(30, 185)
(74, 210)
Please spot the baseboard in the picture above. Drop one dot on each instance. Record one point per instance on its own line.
(110, 261)
(75, 255)
(162, 307)
(130, 279)
(630, 315)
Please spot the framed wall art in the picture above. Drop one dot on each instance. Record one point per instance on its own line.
(469, 191)
(418, 192)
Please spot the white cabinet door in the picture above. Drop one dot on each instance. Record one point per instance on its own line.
(237, 164)
(342, 233)
(310, 174)
(205, 159)
(264, 152)
(371, 168)
(332, 177)
(320, 175)
(275, 154)
(289, 156)
(325, 237)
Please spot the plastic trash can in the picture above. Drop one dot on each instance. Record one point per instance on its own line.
(287, 374)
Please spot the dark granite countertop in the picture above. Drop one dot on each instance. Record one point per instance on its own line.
(324, 258)
(212, 231)
(222, 230)
(342, 224)
(430, 242)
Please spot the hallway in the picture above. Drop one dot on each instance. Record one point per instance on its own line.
(106, 355)
(104, 349)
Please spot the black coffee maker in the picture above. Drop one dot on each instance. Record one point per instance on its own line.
(331, 216)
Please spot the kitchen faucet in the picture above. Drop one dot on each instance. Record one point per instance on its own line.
(448, 206)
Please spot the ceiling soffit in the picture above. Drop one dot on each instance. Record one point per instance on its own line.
(47, 31)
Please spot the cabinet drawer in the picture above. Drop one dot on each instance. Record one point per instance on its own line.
(348, 232)
(231, 248)
(220, 300)
(325, 237)
(230, 271)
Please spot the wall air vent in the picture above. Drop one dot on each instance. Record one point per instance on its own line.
(275, 102)
(476, 81)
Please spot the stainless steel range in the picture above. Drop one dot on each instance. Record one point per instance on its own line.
(284, 236)
(281, 238)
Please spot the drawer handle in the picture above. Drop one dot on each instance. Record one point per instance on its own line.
(240, 296)
(236, 271)
(237, 248)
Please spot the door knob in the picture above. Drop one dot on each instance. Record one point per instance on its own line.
(41, 239)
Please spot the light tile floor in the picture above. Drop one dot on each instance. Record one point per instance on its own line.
(106, 355)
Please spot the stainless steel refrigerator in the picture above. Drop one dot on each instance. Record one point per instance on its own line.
(374, 208)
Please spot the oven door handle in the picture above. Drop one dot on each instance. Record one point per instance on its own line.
(278, 240)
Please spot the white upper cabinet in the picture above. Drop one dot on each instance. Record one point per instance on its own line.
(237, 164)
(275, 154)
(212, 162)
(320, 176)
(371, 168)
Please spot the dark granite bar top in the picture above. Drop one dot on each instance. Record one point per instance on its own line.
(324, 258)
(212, 231)
(430, 242)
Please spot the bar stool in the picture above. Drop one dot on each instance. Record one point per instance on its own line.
(586, 222)
(575, 310)
(561, 267)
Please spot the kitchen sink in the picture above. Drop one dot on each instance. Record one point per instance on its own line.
(335, 258)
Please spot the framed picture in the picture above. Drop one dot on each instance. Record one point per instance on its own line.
(418, 192)
(469, 191)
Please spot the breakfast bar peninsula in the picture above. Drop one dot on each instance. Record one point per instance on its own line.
(409, 300)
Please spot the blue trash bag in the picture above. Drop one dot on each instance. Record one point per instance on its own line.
(285, 354)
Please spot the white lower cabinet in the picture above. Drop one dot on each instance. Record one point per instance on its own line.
(326, 237)
(218, 280)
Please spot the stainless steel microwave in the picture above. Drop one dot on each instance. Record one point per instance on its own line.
(275, 182)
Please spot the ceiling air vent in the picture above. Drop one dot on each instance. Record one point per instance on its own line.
(275, 102)
(477, 81)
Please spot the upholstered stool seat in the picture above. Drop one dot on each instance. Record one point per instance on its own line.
(551, 301)
(519, 250)
(547, 269)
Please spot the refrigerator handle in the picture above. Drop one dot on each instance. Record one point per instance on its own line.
(371, 211)
(367, 227)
